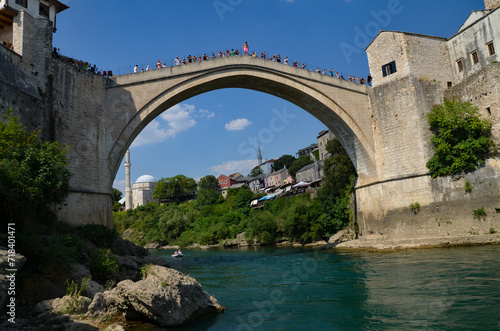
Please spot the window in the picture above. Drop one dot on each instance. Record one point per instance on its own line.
(474, 57)
(460, 65)
(23, 3)
(450, 84)
(491, 48)
(44, 10)
(389, 68)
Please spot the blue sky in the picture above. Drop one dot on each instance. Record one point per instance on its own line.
(213, 133)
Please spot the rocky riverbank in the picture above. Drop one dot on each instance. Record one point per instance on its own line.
(383, 244)
(146, 290)
(344, 239)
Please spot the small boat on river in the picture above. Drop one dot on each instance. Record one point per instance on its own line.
(178, 253)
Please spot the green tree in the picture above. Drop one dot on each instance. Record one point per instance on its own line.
(338, 168)
(33, 173)
(176, 189)
(255, 172)
(332, 200)
(208, 193)
(462, 140)
(299, 164)
(117, 194)
(282, 161)
(243, 198)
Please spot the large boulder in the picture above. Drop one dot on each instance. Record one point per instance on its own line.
(125, 247)
(165, 297)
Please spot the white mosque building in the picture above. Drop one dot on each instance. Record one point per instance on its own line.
(142, 191)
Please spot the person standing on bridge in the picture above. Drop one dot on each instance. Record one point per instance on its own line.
(136, 68)
(245, 48)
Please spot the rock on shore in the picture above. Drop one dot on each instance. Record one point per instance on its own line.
(165, 297)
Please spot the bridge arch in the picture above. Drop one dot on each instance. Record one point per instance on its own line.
(317, 98)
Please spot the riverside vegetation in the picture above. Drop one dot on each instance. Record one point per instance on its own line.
(210, 219)
(98, 271)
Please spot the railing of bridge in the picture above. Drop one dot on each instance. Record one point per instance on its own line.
(146, 66)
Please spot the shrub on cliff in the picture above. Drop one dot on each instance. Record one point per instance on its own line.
(462, 140)
(33, 173)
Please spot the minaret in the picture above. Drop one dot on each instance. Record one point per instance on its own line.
(128, 190)
(259, 157)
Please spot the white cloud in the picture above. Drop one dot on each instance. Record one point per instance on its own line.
(238, 124)
(179, 118)
(206, 113)
(151, 134)
(230, 167)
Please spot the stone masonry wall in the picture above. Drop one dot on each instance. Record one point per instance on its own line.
(429, 59)
(68, 105)
(446, 210)
(383, 209)
(77, 100)
(423, 57)
(387, 47)
(399, 115)
(19, 90)
(483, 91)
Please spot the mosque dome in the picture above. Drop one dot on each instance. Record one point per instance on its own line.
(146, 179)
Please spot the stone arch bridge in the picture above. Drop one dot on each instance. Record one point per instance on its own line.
(99, 118)
(134, 100)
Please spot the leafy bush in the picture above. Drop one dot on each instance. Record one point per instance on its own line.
(468, 187)
(103, 264)
(98, 234)
(74, 291)
(415, 207)
(461, 138)
(145, 270)
(34, 174)
(479, 213)
(264, 227)
(56, 250)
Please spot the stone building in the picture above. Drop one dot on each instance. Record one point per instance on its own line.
(411, 74)
(142, 190)
(12, 12)
(323, 138)
(395, 54)
(267, 166)
(473, 47)
(278, 178)
(307, 150)
(310, 172)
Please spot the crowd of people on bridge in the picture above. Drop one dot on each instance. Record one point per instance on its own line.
(276, 58)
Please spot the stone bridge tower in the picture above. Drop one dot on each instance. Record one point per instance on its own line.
(491, 4)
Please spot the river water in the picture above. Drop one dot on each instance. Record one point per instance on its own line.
(310, 289)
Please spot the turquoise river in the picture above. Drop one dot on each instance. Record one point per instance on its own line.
(310, 289)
